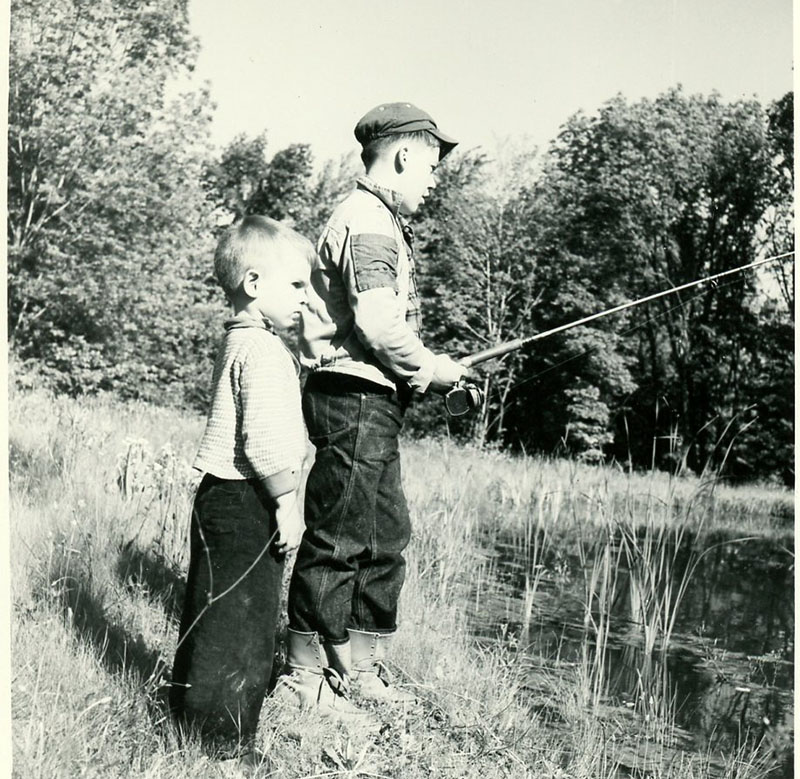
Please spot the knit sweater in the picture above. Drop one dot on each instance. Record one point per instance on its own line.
(255, 425)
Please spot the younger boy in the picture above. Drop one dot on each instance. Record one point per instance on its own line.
(360, 338)
(245, 515)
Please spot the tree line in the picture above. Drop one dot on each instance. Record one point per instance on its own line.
(115, 196)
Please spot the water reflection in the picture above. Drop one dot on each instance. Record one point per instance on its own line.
(728, 670)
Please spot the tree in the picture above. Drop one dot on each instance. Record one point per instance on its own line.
(107, 233)
(637, 198)
(476, 270)
(242, 181)
(778, 221)
(327, 188)
(765, 447)
(233, 181)
(285, 191)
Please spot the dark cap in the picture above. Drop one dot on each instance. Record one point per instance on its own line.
(394, 118)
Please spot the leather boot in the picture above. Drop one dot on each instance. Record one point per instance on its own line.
(371, 678)
(314, 681)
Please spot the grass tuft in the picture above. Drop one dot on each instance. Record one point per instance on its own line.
(100, 500)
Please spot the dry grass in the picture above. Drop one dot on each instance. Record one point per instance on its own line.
(100, 494)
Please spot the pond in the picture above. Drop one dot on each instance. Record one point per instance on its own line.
(728, 666)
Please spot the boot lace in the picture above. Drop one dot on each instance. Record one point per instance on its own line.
(382, 672)
(339, 683)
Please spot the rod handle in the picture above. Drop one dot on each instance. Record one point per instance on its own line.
(492, 352)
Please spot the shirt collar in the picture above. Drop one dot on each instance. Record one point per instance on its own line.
(391, 199)
(244, 319)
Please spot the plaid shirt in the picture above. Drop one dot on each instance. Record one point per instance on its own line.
(255, 426)
(413, 309)
(364, 313)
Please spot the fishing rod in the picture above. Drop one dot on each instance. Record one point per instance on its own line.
(466, 396)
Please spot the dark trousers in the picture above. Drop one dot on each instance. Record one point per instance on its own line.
(224, 658)
(350, 568)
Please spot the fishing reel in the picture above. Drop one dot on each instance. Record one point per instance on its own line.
(462, 398)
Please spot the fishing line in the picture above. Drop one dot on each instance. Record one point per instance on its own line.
(712, 281)
(510, 346)
(682, 304)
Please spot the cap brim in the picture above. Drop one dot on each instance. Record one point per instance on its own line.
(446, 143)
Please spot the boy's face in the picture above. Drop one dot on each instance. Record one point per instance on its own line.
(416, 180)
(279, 287)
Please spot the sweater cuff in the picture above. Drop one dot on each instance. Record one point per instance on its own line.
(280, 483)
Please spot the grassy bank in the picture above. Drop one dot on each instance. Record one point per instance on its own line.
(100, 496)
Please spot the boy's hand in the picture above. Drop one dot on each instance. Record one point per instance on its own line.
(447, 373)
(290, 523)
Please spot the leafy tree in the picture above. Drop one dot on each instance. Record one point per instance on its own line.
(327, 188)
(242, 181)
(765, 447)
(640, 197)
(476, 271)
(107, 239)
(587, 429)
(778, 221)
(284, 192)
(233, 181)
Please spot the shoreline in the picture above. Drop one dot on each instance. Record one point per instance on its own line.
(97, 561)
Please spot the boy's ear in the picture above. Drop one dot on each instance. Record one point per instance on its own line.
(401, 159)
(250, 282)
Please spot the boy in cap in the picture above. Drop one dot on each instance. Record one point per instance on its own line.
(360, 338)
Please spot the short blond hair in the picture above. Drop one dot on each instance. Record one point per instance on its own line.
(240, 242)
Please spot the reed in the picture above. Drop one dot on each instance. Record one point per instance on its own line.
(100, 496)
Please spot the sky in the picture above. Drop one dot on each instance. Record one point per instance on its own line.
(306, 70)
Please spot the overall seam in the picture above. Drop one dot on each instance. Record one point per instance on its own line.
(345, 504)
(373, 541)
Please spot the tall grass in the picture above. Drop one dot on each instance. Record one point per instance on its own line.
(100, 498)
(636, 536)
